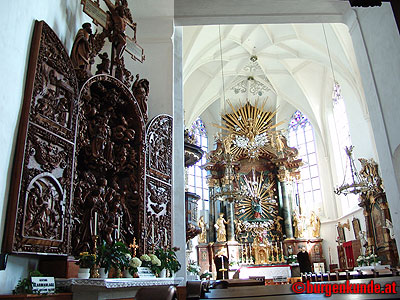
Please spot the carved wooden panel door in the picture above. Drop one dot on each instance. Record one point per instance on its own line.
(41, 188)
(158, 198)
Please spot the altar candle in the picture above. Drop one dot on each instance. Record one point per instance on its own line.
(95, 223)
(166, 237)
(281, 249)
(119, 227)
(152, 233)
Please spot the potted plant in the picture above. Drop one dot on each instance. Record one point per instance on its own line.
(168, 259)
(85, 262)
(24, 286)
(104, 259)
(193, 270)
(134, 264)
(119, 257)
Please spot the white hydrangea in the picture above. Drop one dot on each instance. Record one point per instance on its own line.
(145, 257)
(135, 262)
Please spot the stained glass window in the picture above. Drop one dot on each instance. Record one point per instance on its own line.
(342, 131)
(197, 178)
(301, 136)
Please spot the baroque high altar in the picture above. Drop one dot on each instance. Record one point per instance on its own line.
(253, 219)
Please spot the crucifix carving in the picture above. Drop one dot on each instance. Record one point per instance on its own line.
(116, 22)
(134, 246)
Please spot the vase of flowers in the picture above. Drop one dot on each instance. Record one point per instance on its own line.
(85, 261)
(134, 264)
(361, 261)
(193, 271)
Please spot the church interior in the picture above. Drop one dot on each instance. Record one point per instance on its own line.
(192, 150)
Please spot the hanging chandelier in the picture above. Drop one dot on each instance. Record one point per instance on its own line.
(358, 184)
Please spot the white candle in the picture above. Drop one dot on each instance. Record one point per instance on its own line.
(95, 223)
(119, 227)
(166, 237)
(281, 249)
(152, 233)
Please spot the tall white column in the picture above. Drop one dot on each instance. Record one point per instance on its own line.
(179, 212)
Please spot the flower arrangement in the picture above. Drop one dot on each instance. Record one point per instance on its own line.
(372, 259)
(206, 275)
(86, 260)
(361, 260)
(146, 260)
(193, 268)
(155, 264)
(134, 264)
(291, 258)
(151, 261)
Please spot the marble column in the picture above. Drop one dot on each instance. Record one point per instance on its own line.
(230, 211)
(286, 213)
(211, 221)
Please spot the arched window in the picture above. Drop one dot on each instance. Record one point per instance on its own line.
(341, 141)
(197, 178)
(301, 136)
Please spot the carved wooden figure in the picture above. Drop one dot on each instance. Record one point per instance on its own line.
(110, 170)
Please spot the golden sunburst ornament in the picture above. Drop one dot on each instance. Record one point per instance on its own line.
(257, 203)
(248, 130)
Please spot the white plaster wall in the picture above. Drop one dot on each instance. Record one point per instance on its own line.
(376, 42)
(17, 23)
(329, 234)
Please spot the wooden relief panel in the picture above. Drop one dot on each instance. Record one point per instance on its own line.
(159, 148)
(158, 201)
(40, 197)
(110, 169)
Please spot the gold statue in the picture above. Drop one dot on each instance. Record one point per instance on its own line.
(296, 225)
(278, 226)
(220, 226)
(202, 238)
(315, 225)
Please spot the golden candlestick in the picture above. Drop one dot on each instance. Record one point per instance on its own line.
(95, 269)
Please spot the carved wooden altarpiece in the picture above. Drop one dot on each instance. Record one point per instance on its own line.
(110, 164)
(158, 200)
(40, 200)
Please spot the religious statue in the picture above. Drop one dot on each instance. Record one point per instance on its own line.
(278, 226)
(104, 66)
(296, 225)
(140, 90)
(363, 241)
(120, 17)
(82, 48)
(389, 226)
(315, 225)
(203, 235)
(257, 208)
(220, 226)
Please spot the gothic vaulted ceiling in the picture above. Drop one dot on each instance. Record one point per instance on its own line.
(288, 64)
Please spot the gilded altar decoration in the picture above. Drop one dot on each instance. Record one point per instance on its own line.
(315, 225)
(220, 228)
(202, 237)
(250, 130)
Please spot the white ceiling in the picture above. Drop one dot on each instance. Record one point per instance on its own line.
(294, 67)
